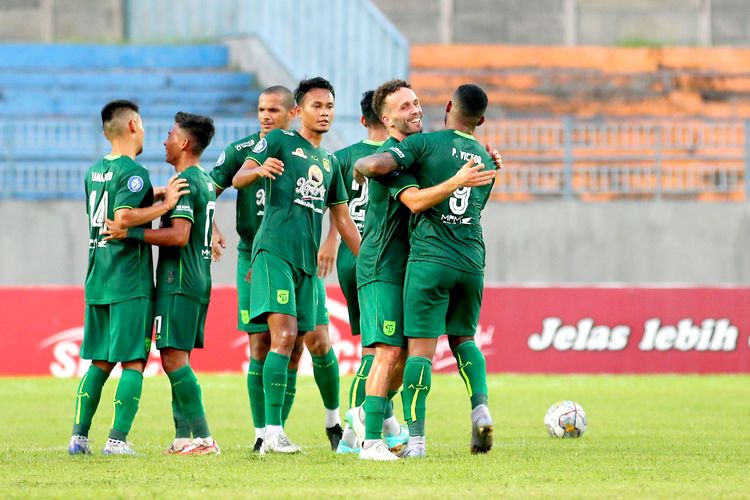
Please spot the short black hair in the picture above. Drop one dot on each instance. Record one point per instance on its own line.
(369, 114)
(200, 128)
(287, 97)
(113, 108)
(382, 93)
(306, 86)
(471, 101)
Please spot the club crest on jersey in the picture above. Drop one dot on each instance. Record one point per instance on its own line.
(311, 188)
(135, 184)
(282, 296)
(300, 153)
(326, 165)
(221, 159)
(261, 146)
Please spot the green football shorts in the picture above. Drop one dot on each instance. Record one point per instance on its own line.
(179, 322)
(346, 268)
(118, 332)
(382, 313)
(244, 261)
(440, 299)
(280, 287)
(321, 310)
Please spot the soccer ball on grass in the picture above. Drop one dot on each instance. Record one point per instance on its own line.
(565, 419)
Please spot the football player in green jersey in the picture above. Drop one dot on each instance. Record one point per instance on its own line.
(183, 279)
(444, 275)
(345, 261)
(275, 110)
(301, 179)
(119, 281)
(383, 258)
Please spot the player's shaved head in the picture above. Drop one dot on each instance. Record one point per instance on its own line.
(368, 113)
(287, 98)
(116, 115)
(470, 102)
(381, 94)
(200, 130)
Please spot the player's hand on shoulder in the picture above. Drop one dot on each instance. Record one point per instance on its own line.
(472, 175)
(358, 177)
(176, 188)
(496, 156)
(113, 232)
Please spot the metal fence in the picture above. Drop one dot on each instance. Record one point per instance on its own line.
(608, 159)
(567, 158)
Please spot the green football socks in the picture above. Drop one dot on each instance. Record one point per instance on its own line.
(357, 389)
(389, 405)
(189, 397)
(181, 423)
(274, 386)
(255, 393)
(326, 372)
(374, 410)
(127, 397)
(417, 381)
(291, 392)
(473, 370)
(87, 399)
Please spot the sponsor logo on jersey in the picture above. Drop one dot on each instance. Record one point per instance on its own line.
(101, 176)
(246, 144)
(222, 157)
(287, 132)
(300, 153)
(282, 296)
(311, 188)
(326, 165)
(397, 151)
(184, 208)
(455, 219)
(135, 183)
(261, 146)
(389, 327)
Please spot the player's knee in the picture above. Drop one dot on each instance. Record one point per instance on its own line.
(389, 356)
(137, 365)
(317, 344)
(172, 360)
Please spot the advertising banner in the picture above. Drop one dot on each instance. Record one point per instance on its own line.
(521, 330)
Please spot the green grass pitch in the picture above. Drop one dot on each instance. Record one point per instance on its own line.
(652, 436)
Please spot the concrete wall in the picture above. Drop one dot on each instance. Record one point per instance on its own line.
(559, 242)
(59, 20)
(572, 22)
(538, 22)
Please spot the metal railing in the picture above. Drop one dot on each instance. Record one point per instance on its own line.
(349, 42)
(566, 158)
(608, 159)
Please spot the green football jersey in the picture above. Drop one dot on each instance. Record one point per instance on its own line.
(251, 200)
(449, 233)
(117, 270)
(358, 197)
(385, 243)
(187, 270)
(295, 201)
